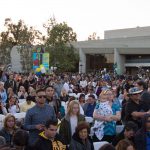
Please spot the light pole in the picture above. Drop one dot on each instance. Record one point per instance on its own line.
(81, 68)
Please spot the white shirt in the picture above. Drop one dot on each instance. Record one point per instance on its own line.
(13, 109)
(73, 122)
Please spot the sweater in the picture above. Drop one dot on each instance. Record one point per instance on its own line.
(43, 143)
(37, 115)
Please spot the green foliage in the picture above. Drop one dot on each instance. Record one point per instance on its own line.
(18, 34)
(62, 53)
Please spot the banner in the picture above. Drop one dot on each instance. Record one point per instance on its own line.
(45, 61)
(40, 59)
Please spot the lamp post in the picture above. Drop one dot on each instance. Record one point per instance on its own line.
(81, 68)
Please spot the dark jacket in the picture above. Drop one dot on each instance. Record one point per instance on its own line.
(43, 143)
(11, 83)
(77, 144)
(141, 135)
(65, 128)
(7, 135)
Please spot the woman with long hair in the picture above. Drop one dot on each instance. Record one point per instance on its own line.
(22, 94)
(12, 106)
(70, 121)
(9, 128)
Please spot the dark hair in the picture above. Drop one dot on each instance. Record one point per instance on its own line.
(49, 86)
(123, 144)
(40, 90)
(81, 95)
(20, 138)
(92, 96)
(142, 83)
(107, 147)
(51, 122)
(81, 126)
(131, 126)
(29, 98)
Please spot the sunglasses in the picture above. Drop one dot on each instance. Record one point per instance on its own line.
(42, 96)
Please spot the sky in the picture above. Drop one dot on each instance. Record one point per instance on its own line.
(84, 16)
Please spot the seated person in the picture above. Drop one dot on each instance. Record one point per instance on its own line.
(49, 139)
(127, 133)
(22, 94)
(27, 104)
(12, 106)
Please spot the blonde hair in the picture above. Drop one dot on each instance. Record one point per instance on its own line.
(70, 107)
(7, 118)
(104, 92)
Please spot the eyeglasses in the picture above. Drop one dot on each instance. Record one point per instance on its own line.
(42, 96)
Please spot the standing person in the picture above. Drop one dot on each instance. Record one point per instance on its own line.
(145, 95)
(109, 129)
(70, 121)
(58, 86)
(49, 139)
(11, 83)
(52, 99)
(80, 139)
(3, 93)
(9, 128)
(135, 109)
(142, 137)
(37, 116)
(89, 106)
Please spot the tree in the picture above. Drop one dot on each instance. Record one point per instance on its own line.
(21, 35)
(62, 54)
(93, 36)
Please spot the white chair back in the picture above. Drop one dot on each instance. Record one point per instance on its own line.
(2, 117)
(119, 128)
(20, 115)
(98, 145)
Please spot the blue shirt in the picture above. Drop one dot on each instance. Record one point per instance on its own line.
(90, 110)
(37, 115)
(110, 127)
(148, 141)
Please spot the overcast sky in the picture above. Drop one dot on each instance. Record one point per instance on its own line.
(84, 16)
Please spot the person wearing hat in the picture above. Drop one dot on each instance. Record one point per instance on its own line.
(135, 109)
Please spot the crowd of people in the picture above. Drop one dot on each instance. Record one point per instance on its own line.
(58, 107)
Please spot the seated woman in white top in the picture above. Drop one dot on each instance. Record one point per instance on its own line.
(22, 94)
(12, 106)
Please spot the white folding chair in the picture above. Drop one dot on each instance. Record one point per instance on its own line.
(22, 100)
(89, 119)
(98, 145)
(20, 115)
(2, 117)
(119, 128)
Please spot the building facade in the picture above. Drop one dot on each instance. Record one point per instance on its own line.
(123, 49)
